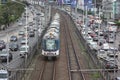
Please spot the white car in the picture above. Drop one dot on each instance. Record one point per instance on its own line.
(24, 50)
(94, 45)
(4, 74)
(105, 46)
(20, 23)
(24, 41)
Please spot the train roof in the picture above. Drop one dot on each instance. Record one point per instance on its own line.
(53, 30)
(51, 35)
(57, 15)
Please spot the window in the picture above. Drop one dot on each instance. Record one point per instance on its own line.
(50, 45)
(3, 75)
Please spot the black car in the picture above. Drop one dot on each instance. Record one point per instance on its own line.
(2, 45)
(13, 47)
(4, 55)
(31, 34)
(13, 38)
(111, 66)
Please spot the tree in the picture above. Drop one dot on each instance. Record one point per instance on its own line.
(10, 12)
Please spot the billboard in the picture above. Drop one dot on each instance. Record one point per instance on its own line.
(73, 3)
(88, 3)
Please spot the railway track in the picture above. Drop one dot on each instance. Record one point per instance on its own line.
(73, 61)
(43, 70)
(48, 71)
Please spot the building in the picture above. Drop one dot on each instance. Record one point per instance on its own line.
(111, 9)
(80, 4)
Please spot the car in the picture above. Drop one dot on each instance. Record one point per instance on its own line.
(4, 74)
(93, 45)
(21, 33)
(24, 49)
(95, 38)
(4, 55)
(112, 53)
(2, 44)
(101, 41)
(117, 78)
(31, 34)
(24, 41)
(20, 23)
(101, 54)
(105, 46)
(13, 46)
(111, 66)
(13, 38)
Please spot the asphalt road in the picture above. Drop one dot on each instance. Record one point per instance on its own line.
(13, 30)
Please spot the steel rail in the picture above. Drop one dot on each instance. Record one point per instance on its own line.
(42, 73)
(67, 48)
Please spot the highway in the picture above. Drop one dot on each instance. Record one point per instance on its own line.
(17, 62)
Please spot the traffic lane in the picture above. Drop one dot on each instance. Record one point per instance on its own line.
(7, 35)
(17, 61)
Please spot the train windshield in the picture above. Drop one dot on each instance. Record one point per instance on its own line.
(3, 75)
(51, 45)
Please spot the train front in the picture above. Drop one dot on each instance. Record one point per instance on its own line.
(50, 45)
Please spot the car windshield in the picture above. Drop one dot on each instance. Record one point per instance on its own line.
(3, 75)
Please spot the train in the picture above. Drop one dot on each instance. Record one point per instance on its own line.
(51, 39)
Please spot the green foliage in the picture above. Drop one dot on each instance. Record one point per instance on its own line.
(10, 12)
(118, 23)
